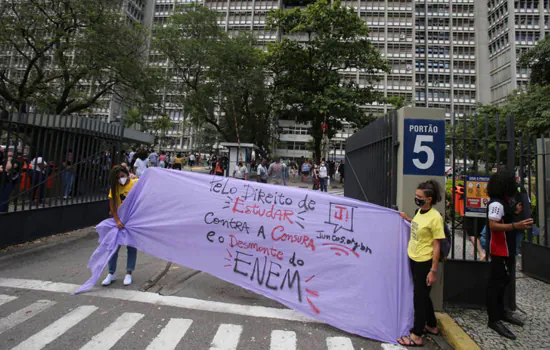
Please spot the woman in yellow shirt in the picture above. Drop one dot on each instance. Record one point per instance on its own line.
(427, 228)
(121, 184)
(178, 162)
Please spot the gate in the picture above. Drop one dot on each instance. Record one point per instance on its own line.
(63, 181)
(534, 178)
(371, 162)
(477, 146)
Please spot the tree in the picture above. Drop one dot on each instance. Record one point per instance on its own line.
(321, 41)
(531, 110)
(160, 126)
(222, 80)
(538, 60)
(134, 118)
(69, 54)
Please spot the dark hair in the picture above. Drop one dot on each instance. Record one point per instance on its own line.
(114, 179)
(431, 189)
(502, 184)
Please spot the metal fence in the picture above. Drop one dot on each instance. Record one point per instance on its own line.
(534, 178)
(55, 160)
(371, 162)
(477, 146)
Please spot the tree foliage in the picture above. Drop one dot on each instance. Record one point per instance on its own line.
(538, 60)
(70, 53)
(319, 42)
(220, 79)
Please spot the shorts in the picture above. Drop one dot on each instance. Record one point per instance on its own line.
(470, 228)
(305, 173)
(177, 166)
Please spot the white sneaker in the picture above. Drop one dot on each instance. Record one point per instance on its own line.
(108, 280)
(128, 279)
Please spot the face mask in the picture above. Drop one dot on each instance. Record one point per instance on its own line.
(123, 180)
(419, 202)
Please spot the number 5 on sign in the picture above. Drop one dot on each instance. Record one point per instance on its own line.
(424, 147)
(420, 147)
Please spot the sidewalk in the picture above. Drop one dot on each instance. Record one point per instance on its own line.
(533, 301)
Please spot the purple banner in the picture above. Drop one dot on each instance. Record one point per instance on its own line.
(338, 260)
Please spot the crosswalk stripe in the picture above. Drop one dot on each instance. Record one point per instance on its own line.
(339, 343)
(56, 329)
(227, 337)
(6, 298)
(171, 334)
(24, 314)
(112, 334)
(283, 340)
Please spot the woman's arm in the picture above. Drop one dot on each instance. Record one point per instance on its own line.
(112, 206)
(432, 275)
(521, 225)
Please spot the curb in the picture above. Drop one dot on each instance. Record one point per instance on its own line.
(454, 334)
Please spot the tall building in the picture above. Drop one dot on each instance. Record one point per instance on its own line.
(514, 26)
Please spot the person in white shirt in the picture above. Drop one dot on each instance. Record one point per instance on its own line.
(140, 164)
(262, 172)
(153, 158)
(191, 160)
(323, 175)
(38, 177)
(240, 172)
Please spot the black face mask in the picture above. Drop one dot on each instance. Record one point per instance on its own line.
(419, 202)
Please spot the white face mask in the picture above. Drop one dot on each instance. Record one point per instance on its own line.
(123, 180)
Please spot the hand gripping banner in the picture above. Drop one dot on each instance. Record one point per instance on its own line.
(335, 259)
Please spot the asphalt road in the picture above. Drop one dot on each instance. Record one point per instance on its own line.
(185, 309)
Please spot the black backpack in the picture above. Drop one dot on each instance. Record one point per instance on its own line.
(445, 244)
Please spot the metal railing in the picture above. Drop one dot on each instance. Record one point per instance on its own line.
(55, 160)
(371, 162)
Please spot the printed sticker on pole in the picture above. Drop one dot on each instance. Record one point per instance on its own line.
(424, 147)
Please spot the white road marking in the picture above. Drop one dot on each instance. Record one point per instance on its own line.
(152, 298)
(24, 314)
(283, 340)
(56, 329)
(171, 334)
(227, 337)
(112, 334)
(6, 298)
(393, 347)
(339, 343)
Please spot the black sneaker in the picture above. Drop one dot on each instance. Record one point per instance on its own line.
(502, 330)
(510, 318)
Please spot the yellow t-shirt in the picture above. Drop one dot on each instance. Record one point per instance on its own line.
(123, 191)
(178, 160)
(424, 229)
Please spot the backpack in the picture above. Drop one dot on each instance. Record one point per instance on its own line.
(444, 244)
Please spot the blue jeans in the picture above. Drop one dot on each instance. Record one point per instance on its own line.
(323, 183)
(130, 260)
(68, 184)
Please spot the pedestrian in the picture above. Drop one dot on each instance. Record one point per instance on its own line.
(153, 158)
(331, 169)
(140, 165)
(38, 176)
(427, 229)
(341, 168)
(241, 171)
(10, 177)
(219, 167)
(262, 172)
(69, 175)
(323, 175)
(162, 159)
(121, 185)
(315, 178)
(191, 161)
(277, 172)
(502, 248)
(178, 162)
(306, 168)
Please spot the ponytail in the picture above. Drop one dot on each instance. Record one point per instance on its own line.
(431, 189)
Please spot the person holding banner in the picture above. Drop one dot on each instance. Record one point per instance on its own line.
(427, 228)
(121, 184)
(501, 232)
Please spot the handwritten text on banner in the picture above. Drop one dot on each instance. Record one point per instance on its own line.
(336, 259)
